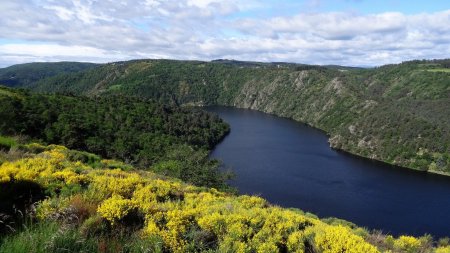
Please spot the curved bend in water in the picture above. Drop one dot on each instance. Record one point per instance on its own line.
(292, 165)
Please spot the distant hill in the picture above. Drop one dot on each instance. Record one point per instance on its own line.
(399, 113)
(25, 74)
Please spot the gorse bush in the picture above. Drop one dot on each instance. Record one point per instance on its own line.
(164, 215)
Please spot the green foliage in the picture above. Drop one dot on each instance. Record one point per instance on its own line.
(192, 166)
(137, 131)
(85, 157)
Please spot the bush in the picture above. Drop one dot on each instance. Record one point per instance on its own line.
(407, 244)
(115, 208)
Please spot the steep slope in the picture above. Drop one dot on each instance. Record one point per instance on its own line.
(399, 114)
(109, 209)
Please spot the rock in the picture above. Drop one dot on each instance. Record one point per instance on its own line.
(352, 129)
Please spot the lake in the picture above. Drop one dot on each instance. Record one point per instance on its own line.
(292, 165)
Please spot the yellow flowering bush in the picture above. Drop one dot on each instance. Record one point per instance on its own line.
(157, 191)
(443, 250)
(337, 239)
(105, 183)
(115, 208)
(251, 201)
(6, 172)
(407, 243)
(296, 242)
(69, 176)
(49, 207)
(151, 228)
(267, 247)
(41, 168)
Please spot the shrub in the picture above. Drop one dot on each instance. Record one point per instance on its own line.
(115, 208)
(80, 208)
(407, 244)
(94, 226)
(443, 249)
(335, 239)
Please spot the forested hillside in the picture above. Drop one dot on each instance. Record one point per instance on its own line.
(399, 114)
(172, 140)
(23, 75)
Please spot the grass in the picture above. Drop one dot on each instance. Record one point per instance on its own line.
(55, 237)
(46, 237)
(7, 142)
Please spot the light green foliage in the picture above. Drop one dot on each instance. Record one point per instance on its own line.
(445, 70)
(7, 142)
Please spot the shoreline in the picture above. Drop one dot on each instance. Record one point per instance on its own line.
(432, 172)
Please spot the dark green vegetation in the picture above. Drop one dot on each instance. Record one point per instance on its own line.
(140, 132)
(25, 74)
(399, 114)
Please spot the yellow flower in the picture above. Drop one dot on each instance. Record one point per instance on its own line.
(151, 229)
(337, 239)
(115, 208)
(296, 242)
(443, 250)
(407, 243)
(69, 176)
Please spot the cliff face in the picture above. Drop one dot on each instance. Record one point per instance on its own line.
(398, 114)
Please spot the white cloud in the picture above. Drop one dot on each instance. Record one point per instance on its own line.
(107, 30)
(46, 50)
(20, 53)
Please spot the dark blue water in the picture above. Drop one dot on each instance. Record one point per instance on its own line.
(291, 165)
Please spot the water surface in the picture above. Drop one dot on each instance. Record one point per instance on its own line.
(292, 165)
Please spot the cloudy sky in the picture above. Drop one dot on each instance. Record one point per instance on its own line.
(346, 32)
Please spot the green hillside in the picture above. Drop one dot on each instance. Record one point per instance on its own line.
(175, 141)
(54, 199)
(398, 114)
(23, 75)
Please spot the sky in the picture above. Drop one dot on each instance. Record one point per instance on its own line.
(341, 32)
